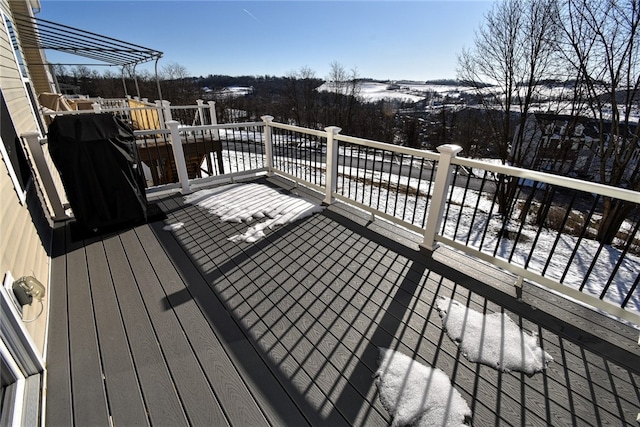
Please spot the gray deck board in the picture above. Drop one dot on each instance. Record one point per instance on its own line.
(123, 391)
(213, 361)
(58, 410)
(156, 383)
(89, 395)
(286, 331)
(191, 384)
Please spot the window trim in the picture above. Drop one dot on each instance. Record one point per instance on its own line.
(24, 78)
(19, 352)
(17, 183)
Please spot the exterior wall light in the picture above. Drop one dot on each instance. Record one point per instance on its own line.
(25, 290)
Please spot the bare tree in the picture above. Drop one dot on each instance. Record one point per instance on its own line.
(173, 71)
(602, 44)
(176, 87)
(302, 96)
(513, 51)
(345, 90)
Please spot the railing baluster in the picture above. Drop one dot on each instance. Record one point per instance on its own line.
(577, 245)
(631, 291)
(415, 209)
(464, 197)
(620, 259)
(449, 199)
(476, 209)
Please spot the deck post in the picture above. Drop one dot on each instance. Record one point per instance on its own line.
(166, 108)
(161, 121)
(200, 103)
(441, 186)
(178, 156)
(50, 189)
(268, 144)
(332, 164)
(214, 119)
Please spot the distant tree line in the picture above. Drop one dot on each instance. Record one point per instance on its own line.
(295, 99)
(290, 99)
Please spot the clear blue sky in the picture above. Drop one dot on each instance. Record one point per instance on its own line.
(418, 40)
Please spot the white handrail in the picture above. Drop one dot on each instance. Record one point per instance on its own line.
(547, 178)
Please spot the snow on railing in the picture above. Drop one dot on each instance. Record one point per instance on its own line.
(545, 234)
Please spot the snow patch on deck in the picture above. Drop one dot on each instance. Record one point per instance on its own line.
(244, 203)
(493, 339)
(418, 395)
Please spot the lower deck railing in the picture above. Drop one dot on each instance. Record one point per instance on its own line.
(542, 227)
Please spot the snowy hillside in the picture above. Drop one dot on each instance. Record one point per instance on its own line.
(550, 98)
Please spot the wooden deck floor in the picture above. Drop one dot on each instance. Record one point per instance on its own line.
(183, 327)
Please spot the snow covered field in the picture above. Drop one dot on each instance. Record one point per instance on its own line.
(553, 99)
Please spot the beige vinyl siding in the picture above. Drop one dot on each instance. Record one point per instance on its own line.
(24, 232)
(4, 6)
(34, 58)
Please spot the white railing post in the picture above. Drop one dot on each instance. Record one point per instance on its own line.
(96, 107)
(214, 119)
(178, 156)
(166, 107)
(35, 148)
(331, 178)
(160, 112)
(268, 144)
(200, 103)
(441, 186)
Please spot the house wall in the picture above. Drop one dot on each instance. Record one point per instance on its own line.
(25, 233)
(34, 58)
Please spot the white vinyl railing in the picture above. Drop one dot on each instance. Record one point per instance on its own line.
(447, 199)
(143, 115)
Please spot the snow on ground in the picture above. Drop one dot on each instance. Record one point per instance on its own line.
(558, 256)
(542, 250)
(246, 202)
(418, 395)
(493, 339)
(375, 91)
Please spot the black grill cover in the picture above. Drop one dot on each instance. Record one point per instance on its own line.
(95, 156)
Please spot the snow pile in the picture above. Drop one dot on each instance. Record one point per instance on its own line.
(494, 339)
(246, 202)
(417, 395)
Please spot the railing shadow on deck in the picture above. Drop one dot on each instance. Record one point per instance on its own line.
(387, 325)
